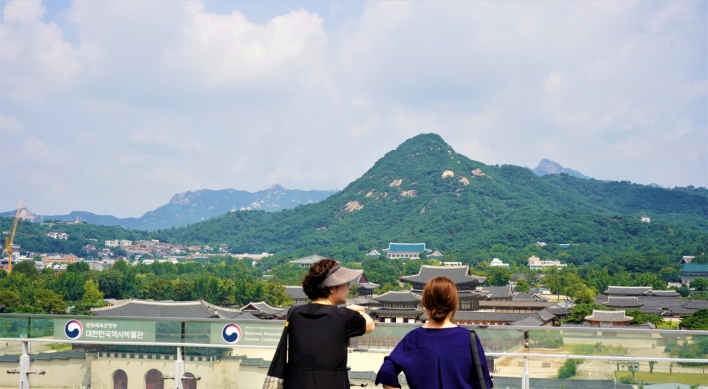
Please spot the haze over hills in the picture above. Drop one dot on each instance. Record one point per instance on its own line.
(425, 191)
(547, 166)
(192, 207)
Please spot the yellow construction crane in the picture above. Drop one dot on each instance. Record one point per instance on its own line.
(9, 239)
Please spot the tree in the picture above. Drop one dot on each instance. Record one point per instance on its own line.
(110, 282)
(275, 295)
(353, 291)
(697, 321)
(700, 284)
(25, 267)
(639, 317)
(522, 286)
(78, 267)
(581, 293)
(92, 296)
(683, 291)
(50, 302)
(499, 276)
(9, 298)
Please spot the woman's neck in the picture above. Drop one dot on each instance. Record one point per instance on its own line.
(439, 324)
(324, 301)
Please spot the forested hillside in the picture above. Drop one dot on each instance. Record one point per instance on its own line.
(425, 191)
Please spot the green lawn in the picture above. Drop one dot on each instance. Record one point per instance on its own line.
(664, 378)
(59, 346)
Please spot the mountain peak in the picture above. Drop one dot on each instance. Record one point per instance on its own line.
(431, 140)
(276, 187)
(546, 166)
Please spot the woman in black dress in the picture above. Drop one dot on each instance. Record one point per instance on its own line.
(319, 331)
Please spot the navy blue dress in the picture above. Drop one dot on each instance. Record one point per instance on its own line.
(431, 359)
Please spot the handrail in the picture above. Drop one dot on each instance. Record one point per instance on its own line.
(381, 351)
(413, 325)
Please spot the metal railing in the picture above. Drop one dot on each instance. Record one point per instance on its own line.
(499, 341)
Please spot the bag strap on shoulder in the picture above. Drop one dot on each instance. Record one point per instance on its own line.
(476, 360)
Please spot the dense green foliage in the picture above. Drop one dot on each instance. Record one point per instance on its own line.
(569, 369)
(697, 349)
(697, 321)
(225, 281)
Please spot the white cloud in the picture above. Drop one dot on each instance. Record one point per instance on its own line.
(165, 138)
(227, 49)
(34, 56)
(311, 99)
(9, 124)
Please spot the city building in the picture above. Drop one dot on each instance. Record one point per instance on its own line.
(496, 262)
(691, 271)
(398, 307)
(112, 243)
(535, 263)
(255, 257)
(373, 254)
(616, 318)
(466, 283)
(297, 294)
(406, 250)
(175, 309)
(307, 261)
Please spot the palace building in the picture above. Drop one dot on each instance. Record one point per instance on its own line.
(466, 283)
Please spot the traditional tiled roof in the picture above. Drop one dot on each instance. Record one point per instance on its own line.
(458, 274)
(261, 308)
(435, 254)
(499, 291)
(665, 293)
(410, 313)
(695, 267)
(546, 315)
(251, 362)
(406, 248)
(528, 321)
(696, 304)
(177, 309)
(628, 290)
(309, 260)
(246, 316)
(488, 316)
(72, 354)
(528, 296)
(608, 316)
(365, 285)
(397, 297)
(558, 311)
(623, 302)
(295, 292)
(363, 301)
(515, 304)
(373, 254)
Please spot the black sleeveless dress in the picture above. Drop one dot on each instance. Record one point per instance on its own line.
(317, 350)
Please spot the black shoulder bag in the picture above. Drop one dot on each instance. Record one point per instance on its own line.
(477, 362)
(275, 379)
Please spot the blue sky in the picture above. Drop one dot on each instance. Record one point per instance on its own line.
(114, 106)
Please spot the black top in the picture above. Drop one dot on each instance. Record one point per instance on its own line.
(317, 351)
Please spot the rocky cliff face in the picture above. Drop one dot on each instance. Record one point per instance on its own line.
(547, 166)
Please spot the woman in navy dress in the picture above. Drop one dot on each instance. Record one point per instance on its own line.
(318, 332)
(437, 355)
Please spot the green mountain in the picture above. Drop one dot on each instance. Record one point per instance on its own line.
(424, 191)
(193, 207)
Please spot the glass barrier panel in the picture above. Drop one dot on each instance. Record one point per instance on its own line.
(14, 327)
(240, 367)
